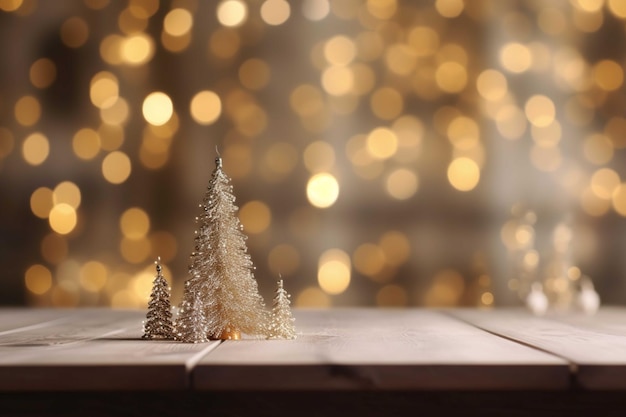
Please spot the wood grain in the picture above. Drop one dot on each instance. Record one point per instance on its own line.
(94, 350)
(380, 349)
(594, 345)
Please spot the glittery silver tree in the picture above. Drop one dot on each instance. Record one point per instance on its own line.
(158, 324)
(221, 270)
(282, 322)
(191, 322)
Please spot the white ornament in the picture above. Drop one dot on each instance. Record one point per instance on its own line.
(536, 300)
(588, 299)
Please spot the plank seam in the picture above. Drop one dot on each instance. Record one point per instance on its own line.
(573, 367)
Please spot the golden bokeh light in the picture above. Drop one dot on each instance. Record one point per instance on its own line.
(116, 167)
(135, 251)
(104, 89)
(515, 57)
(86, 144)
(135, 223)
(593, 205)
(62, 218)
(11, 5)
(42, 73)
(143, 9)
(382, 9)
(111, 137)
(608, 75)
(27, 111)
(511, 122)
(339, 50)
(382, 143)
(176, 44)
(74, 32)
(232, 13)
(130, 23)
(446, 289)
(306, 100)
(137, 49)
(386, 103)
(424, 40)
(93, 276)
(35, 149)
(41, 202)
(449, 8)
(110, 49)
(617, 7)
(492, 85)
(451, 77)
(319, 156)
(540, 110)
(396, 247)
(604, 182)
(392, 295)
(205, 107)
(463, 133)
(402, 184)
(254, 74)
(401, 59)
(598, 149)
(463, 174)
(117, 113)
(333, 273)
(322, 190)
(312, 297)
(67, 192)
(255, 217)
(275, 12)
(337, 80)
(157, 108)
(225, 43)
(38, 279)
(369, 259)
(178, 22)
(315, 10)
(619, 199)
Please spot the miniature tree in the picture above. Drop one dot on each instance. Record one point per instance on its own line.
(221, 270)
(281, 324)
(158, 324)
(191, 322)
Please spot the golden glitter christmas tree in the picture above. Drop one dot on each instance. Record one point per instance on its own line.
(281, 322)
(221, 271)
(158, 324)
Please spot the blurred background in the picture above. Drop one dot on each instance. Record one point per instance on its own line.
(383, 152)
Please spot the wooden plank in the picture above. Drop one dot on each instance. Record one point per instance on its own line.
(379, 349)
(14, 319)
(595, 345)
(95, 350)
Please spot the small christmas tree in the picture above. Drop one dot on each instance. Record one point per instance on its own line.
(221, 270)
(281, 324)
(191, 322)
(158, 323)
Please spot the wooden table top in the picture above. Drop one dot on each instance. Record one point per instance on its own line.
(337, 349)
